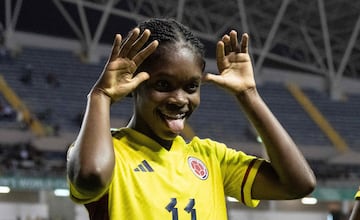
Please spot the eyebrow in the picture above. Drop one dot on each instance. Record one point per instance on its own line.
(166, 75)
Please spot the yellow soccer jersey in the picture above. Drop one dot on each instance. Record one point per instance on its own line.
(188, 182)
(357, 195)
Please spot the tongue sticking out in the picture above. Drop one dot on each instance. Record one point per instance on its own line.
(176, 125)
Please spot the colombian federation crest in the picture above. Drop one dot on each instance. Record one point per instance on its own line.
(198, 168)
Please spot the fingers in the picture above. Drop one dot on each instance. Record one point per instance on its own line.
(116, 47)
(244, 44)
(220, 50)
(128, 44)
(231, 43)
(139, 43)
(227, 46)
(147, 51)
(131, 46)
(234, 42)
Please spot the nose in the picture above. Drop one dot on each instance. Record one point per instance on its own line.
(179, 98)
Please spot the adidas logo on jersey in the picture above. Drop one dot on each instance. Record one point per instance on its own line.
(144, 166)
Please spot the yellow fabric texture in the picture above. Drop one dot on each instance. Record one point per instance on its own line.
(189, 181)
(357, 195)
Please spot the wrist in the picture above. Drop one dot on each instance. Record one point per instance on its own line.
(100, 92)
(247, 95)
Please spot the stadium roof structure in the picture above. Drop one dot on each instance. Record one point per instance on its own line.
(317, 37)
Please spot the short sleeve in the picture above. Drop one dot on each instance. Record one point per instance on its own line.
(239, 172)
(246, 185)
(357, 195)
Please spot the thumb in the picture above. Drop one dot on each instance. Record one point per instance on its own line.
(139, 78)
(209, 77)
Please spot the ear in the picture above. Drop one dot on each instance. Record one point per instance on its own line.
(203, 65)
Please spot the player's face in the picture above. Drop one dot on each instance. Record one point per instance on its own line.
(169, 96)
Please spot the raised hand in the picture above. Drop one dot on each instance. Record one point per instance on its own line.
(234, 64)
(118, 79)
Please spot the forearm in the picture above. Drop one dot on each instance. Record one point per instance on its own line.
(292, 170)
(355, 214)
(91, 160)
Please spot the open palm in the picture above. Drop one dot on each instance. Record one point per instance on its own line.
(234, 64)
(118, 78)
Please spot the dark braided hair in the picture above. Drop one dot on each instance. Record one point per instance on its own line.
(169, 32)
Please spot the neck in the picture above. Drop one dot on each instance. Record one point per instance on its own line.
(148, 132)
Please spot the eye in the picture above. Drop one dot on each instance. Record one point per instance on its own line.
(192, 87)
(162, 85)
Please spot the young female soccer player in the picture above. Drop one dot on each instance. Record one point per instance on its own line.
(146, 170)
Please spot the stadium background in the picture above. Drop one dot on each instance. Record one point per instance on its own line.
(306, 62)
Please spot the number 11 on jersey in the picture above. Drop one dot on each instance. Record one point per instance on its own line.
(171, 207)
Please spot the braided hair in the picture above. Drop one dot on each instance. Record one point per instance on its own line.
(169, 32)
